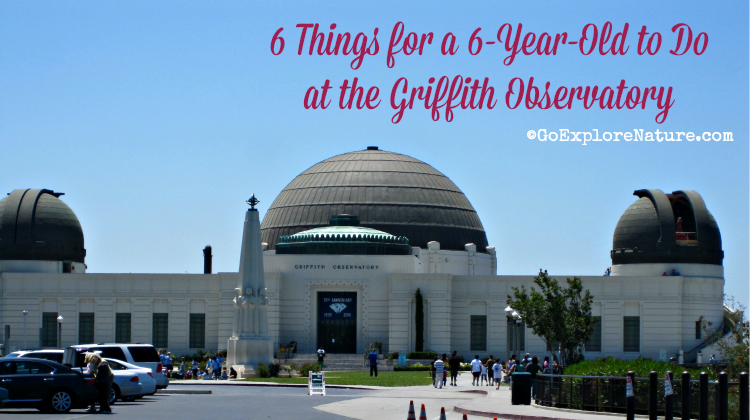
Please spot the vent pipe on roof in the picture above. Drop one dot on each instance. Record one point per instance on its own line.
(207, 259)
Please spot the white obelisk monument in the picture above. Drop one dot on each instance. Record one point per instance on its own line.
(250, 344)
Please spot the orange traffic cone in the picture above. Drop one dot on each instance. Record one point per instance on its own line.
(442, 413)
(422, 414)
(465, 418)
(411, 411)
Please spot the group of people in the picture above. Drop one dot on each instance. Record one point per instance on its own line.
(531, 365)
(673, 273)
(213, 370)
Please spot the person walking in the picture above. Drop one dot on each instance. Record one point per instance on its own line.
(439, 368)
(104, 380)
(497, 369)
(484, 375)
(432, 368)
(490, 372)
(454, 363)
(373, 356)
(321, 357)
(545, 365)
(476, 370)
(533, 368)
(445, 369)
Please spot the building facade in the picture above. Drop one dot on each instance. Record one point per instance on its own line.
(347, 244)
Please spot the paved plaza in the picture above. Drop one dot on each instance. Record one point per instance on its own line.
(242, 400)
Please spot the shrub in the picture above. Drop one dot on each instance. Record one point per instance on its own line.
(422, 355)
(393, 355)
(305, 369)
(274, 368)
(642, 367)
(263, 371)
(410, 368)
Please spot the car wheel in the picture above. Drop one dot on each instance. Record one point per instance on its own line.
(60, 402)
(114, 394)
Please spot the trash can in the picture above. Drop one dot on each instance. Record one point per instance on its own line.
(520, 383)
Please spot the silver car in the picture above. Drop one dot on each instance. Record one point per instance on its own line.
(145, 376)
(127, 386)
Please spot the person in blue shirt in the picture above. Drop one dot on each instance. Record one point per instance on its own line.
(373, 356)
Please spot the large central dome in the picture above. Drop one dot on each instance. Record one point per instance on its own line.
(390, 192)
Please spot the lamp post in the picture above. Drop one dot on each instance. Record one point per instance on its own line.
(516, 318)
(25, 312)
(59, 331)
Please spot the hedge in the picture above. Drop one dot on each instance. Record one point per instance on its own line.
(422, 355)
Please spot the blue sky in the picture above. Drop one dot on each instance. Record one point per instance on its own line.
(158, 119)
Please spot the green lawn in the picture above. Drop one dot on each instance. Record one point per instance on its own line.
(361, 378)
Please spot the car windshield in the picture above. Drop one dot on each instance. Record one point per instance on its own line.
(143, 354)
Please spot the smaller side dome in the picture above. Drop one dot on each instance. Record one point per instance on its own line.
(667, 228)
(36, 225)
(343, 236)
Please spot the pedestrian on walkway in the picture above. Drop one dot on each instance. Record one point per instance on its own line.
(497, 369)
(217, 368)
(455, 364)
(195, 367)
(476, 370)
(432, 368)
(490, 372)
(373, 356)
(445, 368)
(484, 375)
(545, 365)
(533, 369)
(439, 368)
(321, 357)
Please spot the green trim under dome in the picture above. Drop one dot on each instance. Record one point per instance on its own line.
(343, 236)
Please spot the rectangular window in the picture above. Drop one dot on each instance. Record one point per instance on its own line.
(197, 331)
(160, 330)
(631, 333)
(49, 329)
(594, 342)
(698, 330)
(478, 333)
(122, 327)
(85, 328)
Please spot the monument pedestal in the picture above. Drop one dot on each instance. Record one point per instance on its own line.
(246, 353)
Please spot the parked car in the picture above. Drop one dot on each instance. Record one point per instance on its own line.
(126, 386)
(145, 376)
(142, 355)
(3, 397)
(47, 354)
(44, 384)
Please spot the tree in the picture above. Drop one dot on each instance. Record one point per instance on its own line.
(419, 320)
(732, 338)
(561, 317)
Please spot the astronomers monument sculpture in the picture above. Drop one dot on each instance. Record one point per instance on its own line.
(250, 343)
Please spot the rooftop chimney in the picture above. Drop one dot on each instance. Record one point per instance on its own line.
(207, 259)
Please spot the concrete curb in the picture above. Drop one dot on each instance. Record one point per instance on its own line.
(275, 384)
(185, 391)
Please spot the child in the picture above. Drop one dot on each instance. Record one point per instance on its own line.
(224, 374)
(194, 366)
(484, 376)
(497, 368)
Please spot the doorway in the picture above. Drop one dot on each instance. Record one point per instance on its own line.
(337, 322)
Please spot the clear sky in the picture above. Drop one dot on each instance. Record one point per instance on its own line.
(159, 119)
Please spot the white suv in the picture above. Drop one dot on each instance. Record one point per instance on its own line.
(143, 355)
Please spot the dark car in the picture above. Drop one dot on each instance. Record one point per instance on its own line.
(44, 384)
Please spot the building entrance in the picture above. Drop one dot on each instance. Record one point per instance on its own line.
(337, 322)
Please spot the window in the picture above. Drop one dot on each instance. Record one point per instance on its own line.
(49, 329)
(160, 331)
(116, 366)
(478, 333)
(122, 328)
(698, 330)
(594, 342)
(631, 333)
(30, 368)
(142, 354)
(110, 352)
(85, 327)
(197, 331)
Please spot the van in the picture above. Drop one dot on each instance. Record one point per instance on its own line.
(142, 355)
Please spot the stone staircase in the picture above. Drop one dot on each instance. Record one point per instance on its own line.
(333, 363)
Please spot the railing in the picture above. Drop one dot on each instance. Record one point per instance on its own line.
(686, 238)
(608, 394)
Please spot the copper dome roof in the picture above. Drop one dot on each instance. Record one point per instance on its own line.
(389, 192)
